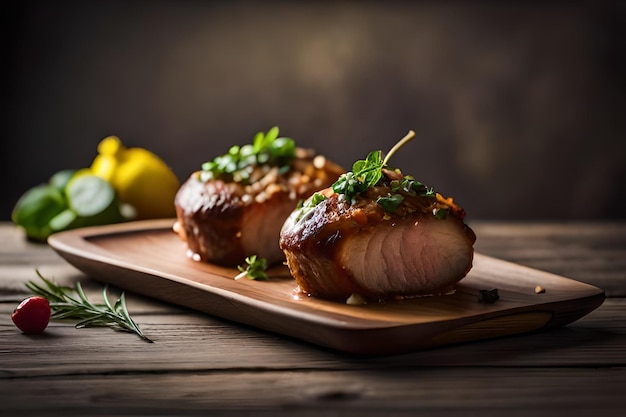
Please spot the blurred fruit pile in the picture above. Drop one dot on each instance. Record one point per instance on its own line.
(121, 184)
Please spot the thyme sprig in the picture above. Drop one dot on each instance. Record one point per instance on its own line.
(72, 303)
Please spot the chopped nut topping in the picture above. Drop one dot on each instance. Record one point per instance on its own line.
(355, 300)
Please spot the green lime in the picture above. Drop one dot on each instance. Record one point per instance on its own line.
(35, 208)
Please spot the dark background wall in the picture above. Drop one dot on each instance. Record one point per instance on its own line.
(518, 107)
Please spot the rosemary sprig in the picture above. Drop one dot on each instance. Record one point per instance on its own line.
(70, 303)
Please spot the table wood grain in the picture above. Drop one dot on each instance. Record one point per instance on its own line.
(202, 365)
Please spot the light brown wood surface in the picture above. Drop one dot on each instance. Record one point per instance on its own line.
(203, 365)
(149, 259)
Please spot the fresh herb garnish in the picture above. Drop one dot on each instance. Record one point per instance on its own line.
(316, 199)
(391, 202)
(255, 269)
(410, 186)
(368, 172)
(365, 174)
(488, 296)
(305, 207)
(441, 213)
(70, 303)
(238, 164)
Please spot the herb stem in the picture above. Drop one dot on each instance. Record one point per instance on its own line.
(65, 305)
(409, 136)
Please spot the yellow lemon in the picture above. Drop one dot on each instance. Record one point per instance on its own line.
(139, 177)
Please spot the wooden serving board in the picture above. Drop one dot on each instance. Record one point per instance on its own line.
(148, 258)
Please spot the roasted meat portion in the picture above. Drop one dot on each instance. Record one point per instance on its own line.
(387, 241)
(224, 220)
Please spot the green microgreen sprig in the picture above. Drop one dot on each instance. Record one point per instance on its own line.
(365, 174)
(368, 172)
(305, 207)
(72, 303)
(254, 269)
(238, 164)
(411, 186)
(391, 202)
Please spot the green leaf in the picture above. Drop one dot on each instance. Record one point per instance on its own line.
(371, 170)
(271, 135)
(367, 173)
(266, 149)
(317, 198)
(305, 207)
(391, 202)
(254, 269)
(441, 214)
(258, 142)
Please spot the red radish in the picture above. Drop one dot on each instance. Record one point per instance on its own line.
(32, 315)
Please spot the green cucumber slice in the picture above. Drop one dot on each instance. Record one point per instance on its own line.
(89, 195)
(66, 220)
(61, 178)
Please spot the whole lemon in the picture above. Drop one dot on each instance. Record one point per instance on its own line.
(139, 177)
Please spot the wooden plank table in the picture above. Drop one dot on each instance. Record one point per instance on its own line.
(201, 365)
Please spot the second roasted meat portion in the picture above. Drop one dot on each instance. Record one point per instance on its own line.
(224, 222)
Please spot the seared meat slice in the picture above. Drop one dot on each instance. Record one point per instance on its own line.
(337, 247)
